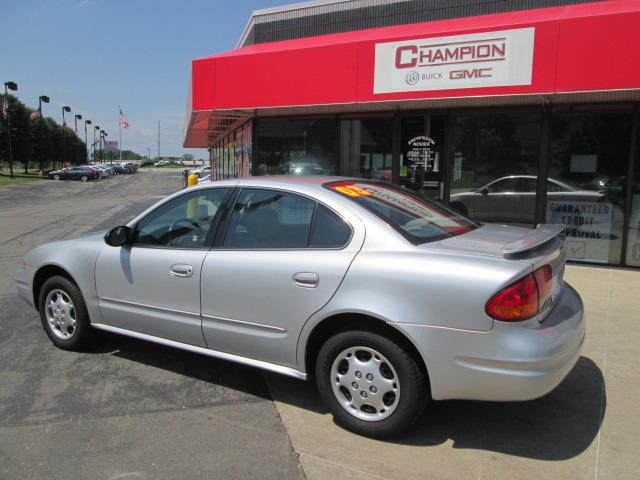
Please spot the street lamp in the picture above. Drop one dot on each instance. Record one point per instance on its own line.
(102, 134)
(64, 138)
(95, 128)
(65, 109)
(76, 118)
(86, 144)
(42, 99)
(13, 86)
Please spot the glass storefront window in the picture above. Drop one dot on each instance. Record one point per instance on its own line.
(495, 165)
(298, 146)
(589, 155)
(633, 233)
(422, 139)
(365, 148)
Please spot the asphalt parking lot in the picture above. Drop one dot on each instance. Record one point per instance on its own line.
(128, 409)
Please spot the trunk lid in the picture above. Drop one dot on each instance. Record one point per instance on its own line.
(535, 248)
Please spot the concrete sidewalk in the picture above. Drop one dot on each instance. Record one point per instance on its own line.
(587, 428)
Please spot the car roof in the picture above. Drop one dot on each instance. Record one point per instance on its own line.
(311, 182)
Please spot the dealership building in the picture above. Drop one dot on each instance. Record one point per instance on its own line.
(512, 111)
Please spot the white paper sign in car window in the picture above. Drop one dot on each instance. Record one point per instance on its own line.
(488, 59)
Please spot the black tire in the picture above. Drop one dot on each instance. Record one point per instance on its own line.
(56, 177)
(84, 178)
(413, 395)
(82, 333)
(459, 207)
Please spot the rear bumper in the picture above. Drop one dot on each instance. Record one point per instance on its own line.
(517, 361)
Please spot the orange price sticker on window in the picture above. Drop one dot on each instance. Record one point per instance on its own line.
(352, 191)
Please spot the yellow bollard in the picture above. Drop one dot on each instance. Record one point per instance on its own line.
(192, 180)
(192, 204)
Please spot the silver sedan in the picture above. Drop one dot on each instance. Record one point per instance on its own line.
(387, 300)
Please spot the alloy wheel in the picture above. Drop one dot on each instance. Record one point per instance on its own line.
(365, 383)
(61, 314)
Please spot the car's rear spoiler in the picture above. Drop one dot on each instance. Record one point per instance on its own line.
(542, 234)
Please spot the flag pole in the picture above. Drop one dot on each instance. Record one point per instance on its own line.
(120, 133)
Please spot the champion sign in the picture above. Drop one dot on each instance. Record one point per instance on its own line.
(462, 61)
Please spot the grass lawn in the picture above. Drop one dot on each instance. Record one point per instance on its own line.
(7, 180)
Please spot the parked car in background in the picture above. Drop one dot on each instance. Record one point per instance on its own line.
(204, 179)
(132, 167)
(387, 300)
(74, 173)
(512, 199)
(160, 163)
(201, 171)
(105, 172)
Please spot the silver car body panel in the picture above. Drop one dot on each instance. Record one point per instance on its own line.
(245, 305)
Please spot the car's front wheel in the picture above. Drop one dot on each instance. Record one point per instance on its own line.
(56, 177)
(372, 384)
(64, 315)
(84, 178)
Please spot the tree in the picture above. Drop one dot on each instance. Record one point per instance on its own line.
(20, 132)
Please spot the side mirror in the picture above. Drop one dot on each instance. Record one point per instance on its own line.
(484, 190)
(119, 236)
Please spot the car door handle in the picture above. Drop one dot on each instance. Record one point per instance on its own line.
(181, 270)
(306, 279)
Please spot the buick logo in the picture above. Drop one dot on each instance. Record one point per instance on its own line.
(412, 78)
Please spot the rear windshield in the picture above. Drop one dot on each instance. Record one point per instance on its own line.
(419, 220)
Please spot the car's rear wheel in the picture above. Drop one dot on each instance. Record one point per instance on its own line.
(56, 177)
(84, 178)
(372, 384)
(63, 313)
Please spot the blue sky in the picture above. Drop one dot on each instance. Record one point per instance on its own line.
(94, 55)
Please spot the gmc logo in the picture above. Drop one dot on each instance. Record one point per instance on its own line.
(474, 73)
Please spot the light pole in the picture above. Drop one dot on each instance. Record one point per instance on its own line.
(65, 109)
(102, 135)
(13, 86)
(95, 128)
(42, 99)
(76, 118)
(64, 134)
(86, 144)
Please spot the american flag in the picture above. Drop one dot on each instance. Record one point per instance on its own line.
(123, 120)
(35, 114)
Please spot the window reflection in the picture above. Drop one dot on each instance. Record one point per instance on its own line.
(495, 166)
(305, 146)
(589, 152)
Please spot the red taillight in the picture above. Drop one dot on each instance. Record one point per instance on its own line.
(518, 301)
(522, 300)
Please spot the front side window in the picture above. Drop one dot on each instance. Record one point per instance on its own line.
(183, 222)
(417, 219)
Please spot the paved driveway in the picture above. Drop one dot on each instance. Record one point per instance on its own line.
(128, 409)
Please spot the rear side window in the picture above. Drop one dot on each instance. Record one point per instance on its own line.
(329, 230)
(269, 219)
(419, 220)
(273, 219)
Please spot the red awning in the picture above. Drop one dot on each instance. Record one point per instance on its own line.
(584, 52)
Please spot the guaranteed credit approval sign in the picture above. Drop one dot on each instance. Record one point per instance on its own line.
(488, 59)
